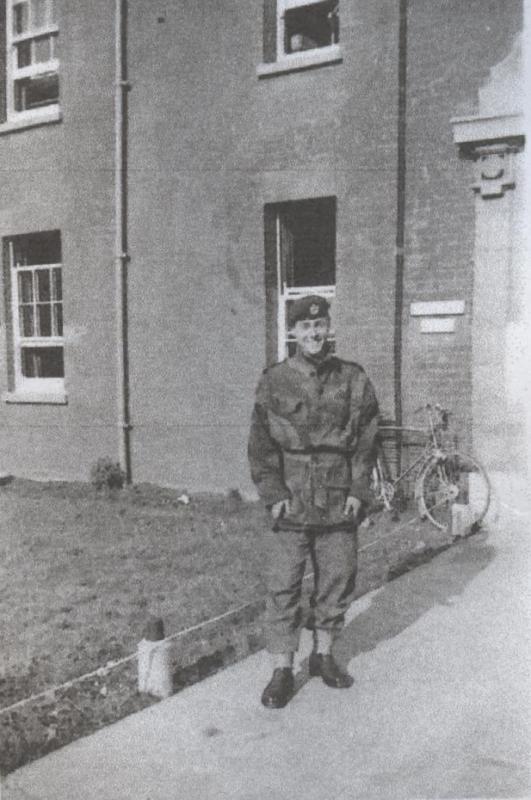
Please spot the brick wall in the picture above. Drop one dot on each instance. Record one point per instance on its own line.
(210, 143)
(452, 46)
(60, 177)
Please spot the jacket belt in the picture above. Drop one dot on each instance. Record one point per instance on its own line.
(320, 448)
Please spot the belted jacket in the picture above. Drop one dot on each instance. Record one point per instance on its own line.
(312, 439)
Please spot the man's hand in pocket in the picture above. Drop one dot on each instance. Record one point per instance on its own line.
(352, 507)
(280, 509)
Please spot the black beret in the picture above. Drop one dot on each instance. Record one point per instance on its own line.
(310, 307)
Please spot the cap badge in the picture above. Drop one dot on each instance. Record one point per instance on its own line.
(314, 309)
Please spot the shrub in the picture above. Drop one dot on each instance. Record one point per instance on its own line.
(108, 474)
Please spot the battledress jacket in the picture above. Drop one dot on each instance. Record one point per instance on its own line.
(312, 439)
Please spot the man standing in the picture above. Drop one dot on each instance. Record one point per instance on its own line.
(310, 452)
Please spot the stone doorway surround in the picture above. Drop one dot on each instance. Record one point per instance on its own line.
(494, 141)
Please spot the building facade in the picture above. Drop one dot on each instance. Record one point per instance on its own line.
(174, 175)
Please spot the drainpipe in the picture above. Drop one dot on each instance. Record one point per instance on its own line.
(400, 216)
(120, 253)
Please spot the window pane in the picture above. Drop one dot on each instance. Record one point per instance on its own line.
(51, 12)
(43, 284)
(37, 248)
(42, 90)
(57, 319)
(25, 287)
(42, 49)
(26, 321)
(44, 319)
(20, 18)
(38, 13)
(308, 242)
(24, 54)
(57, 284)
(311, 26)
(43, 248)
(42, 362)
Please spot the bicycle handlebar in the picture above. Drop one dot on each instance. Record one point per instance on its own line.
(429, 407)
(442, 413)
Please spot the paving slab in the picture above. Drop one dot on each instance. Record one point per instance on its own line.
(440, 707)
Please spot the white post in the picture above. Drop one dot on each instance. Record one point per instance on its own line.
(154, 661)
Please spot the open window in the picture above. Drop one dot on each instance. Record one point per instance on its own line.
(300, 259)
(299, 34)
(307, 26)
(36, 312)
(32, 61)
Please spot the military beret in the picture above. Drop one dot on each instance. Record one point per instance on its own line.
(310, 307)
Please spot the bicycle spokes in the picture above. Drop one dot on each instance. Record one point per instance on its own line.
(454, 493)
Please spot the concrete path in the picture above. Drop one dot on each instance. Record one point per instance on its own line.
(440, 708)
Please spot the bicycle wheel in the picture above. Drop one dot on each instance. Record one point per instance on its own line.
(454, 493)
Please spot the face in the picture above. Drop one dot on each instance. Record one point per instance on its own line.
(311, 335)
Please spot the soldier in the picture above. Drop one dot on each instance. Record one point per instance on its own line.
(310, 451)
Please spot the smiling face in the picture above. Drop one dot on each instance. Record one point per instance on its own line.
(311, 335)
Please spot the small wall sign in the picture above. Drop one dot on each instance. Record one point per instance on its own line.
(437, 308)
(437, 325)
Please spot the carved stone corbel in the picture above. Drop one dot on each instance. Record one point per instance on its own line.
(494, 168)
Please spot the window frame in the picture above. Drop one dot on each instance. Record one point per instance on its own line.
(286, 293)
(22, 384)
(15, 73)
(275, 59)
(288, 5)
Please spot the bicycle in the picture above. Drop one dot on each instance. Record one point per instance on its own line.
(452, 489)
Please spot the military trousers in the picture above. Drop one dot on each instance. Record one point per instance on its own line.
(333, 555)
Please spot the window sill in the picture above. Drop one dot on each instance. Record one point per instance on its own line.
(31, 121)
(299, 61)
(45, 398)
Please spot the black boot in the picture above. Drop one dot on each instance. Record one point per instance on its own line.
(325, 666)
(278, 691)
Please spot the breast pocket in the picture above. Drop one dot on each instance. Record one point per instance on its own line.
(335, 405)
(287, 407)
(285, 418)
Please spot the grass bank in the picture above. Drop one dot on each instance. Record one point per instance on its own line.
(81, 570)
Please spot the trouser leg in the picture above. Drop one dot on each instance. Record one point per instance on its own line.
(334, 555)
(287, 555)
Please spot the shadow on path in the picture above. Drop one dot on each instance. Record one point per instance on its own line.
(401, 603)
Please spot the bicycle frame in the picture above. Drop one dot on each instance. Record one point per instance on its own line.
(431, 447)
(438, 472)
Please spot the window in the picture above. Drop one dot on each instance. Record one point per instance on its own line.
(299, 33)
(32, 64)
(35, 277)
(300, 259)
(306, 26)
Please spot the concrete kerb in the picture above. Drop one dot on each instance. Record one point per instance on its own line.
(50, 719)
